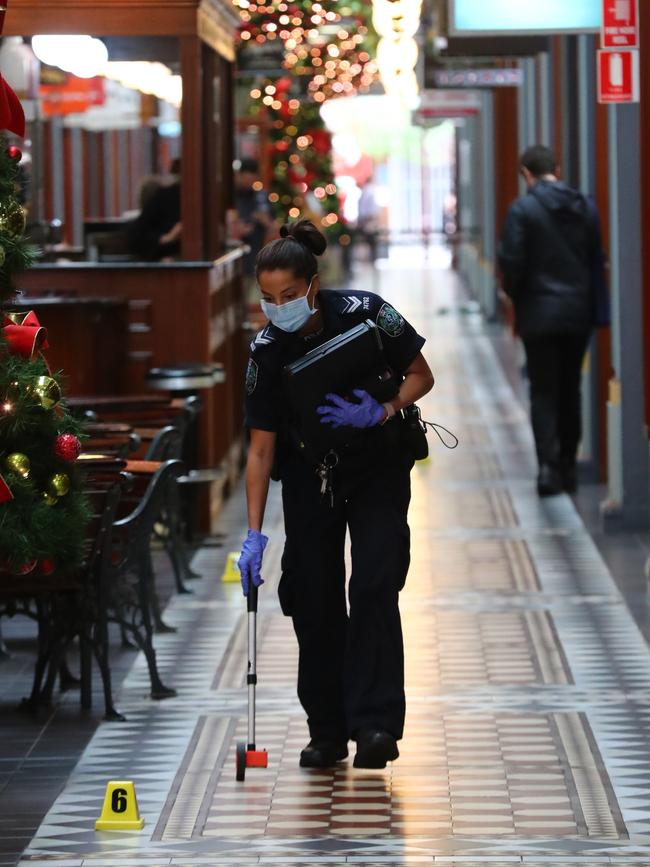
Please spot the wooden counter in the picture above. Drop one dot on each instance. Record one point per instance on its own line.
(87, 340)
(176, 313)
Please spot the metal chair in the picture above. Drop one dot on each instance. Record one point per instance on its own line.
(132, 599)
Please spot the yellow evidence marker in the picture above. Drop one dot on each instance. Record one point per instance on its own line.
(231, 572)
(120, 811)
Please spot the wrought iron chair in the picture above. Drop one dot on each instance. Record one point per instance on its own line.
(69, 605)
(132, 601)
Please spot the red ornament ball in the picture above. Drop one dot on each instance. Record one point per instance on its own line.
(15, 153)
(46, 567)
(67, 447)
(26, 568)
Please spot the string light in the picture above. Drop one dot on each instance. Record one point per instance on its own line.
(350, 67)
(397, 22)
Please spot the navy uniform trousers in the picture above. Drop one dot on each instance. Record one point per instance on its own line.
(351, 668)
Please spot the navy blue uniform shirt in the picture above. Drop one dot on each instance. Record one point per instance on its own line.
(273, 348)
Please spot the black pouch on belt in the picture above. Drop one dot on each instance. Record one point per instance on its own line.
(415, 433)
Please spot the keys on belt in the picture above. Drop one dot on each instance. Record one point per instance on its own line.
(325, 472)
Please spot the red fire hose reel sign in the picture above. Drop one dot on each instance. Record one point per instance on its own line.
(618, 76)
(620, 24)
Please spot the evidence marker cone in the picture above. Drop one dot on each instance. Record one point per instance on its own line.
(120, 811)
(231, 572)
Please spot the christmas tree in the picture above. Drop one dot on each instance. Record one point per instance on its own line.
(300, 149)
(327, 52)
(43, 511)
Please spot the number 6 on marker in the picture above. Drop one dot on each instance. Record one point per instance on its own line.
(120, 811)
(119, 801)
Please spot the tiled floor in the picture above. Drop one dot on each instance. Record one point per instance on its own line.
(528, 682)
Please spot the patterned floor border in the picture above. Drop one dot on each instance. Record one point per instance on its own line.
(591, 672)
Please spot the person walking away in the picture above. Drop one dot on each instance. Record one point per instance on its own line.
(351, 666)
(552, 264)
(368, 219)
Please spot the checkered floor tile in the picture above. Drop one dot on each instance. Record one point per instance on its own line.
(528, 684)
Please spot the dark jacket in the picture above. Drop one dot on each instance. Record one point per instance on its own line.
(552, 262)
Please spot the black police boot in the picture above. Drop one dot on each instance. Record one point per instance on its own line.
(549, 481)
(320, 753)
(374, 748)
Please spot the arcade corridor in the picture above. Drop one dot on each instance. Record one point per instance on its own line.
(528, 723)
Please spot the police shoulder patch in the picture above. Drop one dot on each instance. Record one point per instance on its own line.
(251, 376)
(390, 321)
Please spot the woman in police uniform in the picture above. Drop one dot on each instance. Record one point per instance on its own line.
(351, 669)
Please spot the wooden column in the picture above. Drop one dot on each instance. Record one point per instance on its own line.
(227, 133)
(218, 148)
(193, 170)
(46, 162)
(68, 196)
(212, 121)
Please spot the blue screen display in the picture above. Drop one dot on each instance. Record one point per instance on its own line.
(511, 16)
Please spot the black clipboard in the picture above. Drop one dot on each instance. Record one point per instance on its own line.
(354, 359)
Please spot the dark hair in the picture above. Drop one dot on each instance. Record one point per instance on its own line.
(539, 160)
(248, 164)
(295, 250)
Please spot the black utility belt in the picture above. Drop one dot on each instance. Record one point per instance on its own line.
(405, 431)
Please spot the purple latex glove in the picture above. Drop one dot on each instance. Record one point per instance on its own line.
(367, 413)
(250, 560)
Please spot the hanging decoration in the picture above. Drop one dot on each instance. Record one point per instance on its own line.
(330, 43)
(300, 148)
(67, 447)
(397, 22)
(327, 51)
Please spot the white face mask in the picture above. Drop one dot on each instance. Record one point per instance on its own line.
(292, 315)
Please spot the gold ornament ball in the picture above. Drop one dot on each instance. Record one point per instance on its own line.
(58, 485)
(13, 218)
(49, 499)
(18, 463)
(47, 391)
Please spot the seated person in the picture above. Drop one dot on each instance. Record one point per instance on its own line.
(155, 234)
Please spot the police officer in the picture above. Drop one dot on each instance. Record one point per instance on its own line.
(351, 666)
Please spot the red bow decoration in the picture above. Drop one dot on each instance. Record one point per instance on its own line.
(12, 116)
(5, 493)
(24, 334)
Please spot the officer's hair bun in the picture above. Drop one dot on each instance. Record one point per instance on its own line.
(305, 233)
